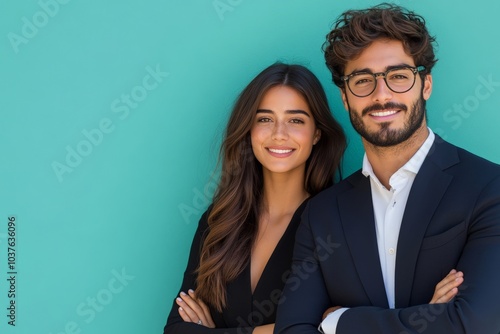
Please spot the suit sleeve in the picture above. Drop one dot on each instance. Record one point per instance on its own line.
(304, 297)
(175, 324)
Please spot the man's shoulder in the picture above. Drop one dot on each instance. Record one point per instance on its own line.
(466, 160)
(466, 155)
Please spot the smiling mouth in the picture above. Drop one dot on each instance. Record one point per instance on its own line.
(384, 113)
(277, 151)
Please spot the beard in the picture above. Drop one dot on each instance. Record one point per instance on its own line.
(385, 136)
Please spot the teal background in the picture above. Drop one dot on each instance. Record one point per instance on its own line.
(119, 211)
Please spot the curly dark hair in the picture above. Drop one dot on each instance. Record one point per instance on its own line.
(355, 30)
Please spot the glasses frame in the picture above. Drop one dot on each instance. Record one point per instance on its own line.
(415, 70)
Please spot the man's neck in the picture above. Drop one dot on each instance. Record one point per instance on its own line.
(386, 161)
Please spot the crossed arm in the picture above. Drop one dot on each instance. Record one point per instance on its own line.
(444, 292)
(194, 310)
(474, 310)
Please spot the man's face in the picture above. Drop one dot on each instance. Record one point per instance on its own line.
(385, 118)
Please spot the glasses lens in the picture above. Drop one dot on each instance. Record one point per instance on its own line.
(362, 84)
(400, 80)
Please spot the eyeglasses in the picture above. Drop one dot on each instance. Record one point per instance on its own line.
(399, 80)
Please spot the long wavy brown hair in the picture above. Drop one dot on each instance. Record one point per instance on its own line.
(355, 30)
(234, 215)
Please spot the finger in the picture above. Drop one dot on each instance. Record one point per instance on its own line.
(200, 302)
(450, 277)
(448, 296)
(207, 316)
(183, 315)
(204, 307)
(195, 311)
(454, 282)
(448, 291)
(192, 302)
(187, 308)
(184, 310)
(445, 293)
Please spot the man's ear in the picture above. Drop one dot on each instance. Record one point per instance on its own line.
(427, 90)
(344, 98)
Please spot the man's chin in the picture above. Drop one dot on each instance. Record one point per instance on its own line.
(385, 138)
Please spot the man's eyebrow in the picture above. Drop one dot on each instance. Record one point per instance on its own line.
(391, 67)
(398, 66)
(289, 111)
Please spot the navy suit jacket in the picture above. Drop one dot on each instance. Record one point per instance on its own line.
(451, 220)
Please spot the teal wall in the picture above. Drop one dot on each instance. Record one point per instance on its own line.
(111, 116)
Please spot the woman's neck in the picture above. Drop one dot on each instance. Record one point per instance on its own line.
(283, 192)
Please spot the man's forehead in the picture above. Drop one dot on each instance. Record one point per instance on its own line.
(379, 56)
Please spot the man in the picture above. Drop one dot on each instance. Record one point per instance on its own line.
(371, 249)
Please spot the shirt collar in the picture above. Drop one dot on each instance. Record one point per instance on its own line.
(413, 165)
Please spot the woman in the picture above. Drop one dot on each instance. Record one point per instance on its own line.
(281, 146)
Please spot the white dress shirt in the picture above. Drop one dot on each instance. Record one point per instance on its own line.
(388, 208)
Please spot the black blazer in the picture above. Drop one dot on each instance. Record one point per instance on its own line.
(451, 220)
(244, 310)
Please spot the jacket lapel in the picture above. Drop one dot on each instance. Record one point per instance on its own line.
(428, 188)
(358, 222)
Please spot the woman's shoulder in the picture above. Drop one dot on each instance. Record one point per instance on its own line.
(298, 212)
(301, 207)
(203, 222)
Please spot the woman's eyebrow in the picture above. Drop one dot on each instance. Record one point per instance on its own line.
(290, 111)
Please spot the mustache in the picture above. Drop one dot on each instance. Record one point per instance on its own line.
(380, 107)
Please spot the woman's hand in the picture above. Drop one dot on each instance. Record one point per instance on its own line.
(192, 309)
(447, 289)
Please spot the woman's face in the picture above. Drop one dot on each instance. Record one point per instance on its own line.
(283, 131)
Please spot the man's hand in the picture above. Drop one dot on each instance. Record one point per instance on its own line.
(330, 310)
(447, 289)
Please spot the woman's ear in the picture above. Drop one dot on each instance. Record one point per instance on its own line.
(317, 136)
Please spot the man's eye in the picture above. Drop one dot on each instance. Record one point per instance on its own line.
(399, 77)
(364, 80)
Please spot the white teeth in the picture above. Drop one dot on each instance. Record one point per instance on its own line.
(279, 151)
(384, 113)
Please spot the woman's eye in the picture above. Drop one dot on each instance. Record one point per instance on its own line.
(297, 121)
(264, 120)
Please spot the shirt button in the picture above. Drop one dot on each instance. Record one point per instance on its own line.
(392, 251)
